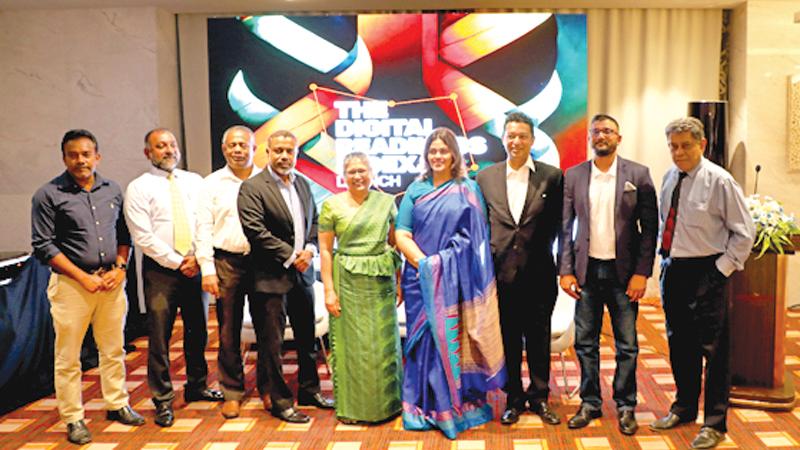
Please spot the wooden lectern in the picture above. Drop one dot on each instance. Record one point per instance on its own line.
(757, 316)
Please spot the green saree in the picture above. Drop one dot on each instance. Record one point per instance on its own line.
(365, 343)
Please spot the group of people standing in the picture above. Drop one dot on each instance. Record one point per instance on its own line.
(479, 281)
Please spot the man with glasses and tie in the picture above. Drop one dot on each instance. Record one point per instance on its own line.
(160, 210)
(706, 235)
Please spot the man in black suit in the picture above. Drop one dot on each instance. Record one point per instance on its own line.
(524, 203)
(279, 218)
(609, 196)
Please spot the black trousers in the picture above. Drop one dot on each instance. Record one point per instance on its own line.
(525, 311)
(165, 291)
(269, 319)
(696, 308)
(235, 276)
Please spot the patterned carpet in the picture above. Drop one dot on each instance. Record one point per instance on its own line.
(200, 426)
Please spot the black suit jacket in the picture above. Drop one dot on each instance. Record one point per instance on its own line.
(635, 221)
(268, 225)
(524, 250)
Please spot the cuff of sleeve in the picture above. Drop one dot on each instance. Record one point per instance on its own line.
(174, 261)
(290, 261)
(208, 268)
(311, 248)
(725, 266)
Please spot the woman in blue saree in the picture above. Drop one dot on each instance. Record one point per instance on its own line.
(453, 350)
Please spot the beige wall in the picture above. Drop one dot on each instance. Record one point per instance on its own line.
(765, 52)
(111, 71)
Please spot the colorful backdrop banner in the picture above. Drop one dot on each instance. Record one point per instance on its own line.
(379, 83)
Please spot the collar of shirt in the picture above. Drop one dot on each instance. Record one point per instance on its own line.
(163, 173)
(610, 174)
(67, 184)
(528, 163)
(692, 173)
(228, 173)
(277, 177)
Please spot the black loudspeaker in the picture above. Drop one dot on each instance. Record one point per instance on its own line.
(714, 115)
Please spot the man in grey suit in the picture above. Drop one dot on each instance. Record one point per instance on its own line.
(279, 219)
(523, 198)
(607, 263)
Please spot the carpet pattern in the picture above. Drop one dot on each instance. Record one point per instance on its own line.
(200, 425)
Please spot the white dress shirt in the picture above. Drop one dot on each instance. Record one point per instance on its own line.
(218, 223)
(295, 207)
(602, 190)
(148, 212)
(517, 187)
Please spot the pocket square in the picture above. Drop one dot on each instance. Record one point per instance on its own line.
(629, 187)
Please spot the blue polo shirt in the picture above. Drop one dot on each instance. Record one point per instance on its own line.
(86, 226)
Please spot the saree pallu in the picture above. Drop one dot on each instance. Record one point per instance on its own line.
(365, 343)
(454, 350)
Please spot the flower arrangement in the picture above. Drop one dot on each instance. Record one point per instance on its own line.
(774, 228)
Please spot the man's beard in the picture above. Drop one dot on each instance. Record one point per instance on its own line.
(166, 164)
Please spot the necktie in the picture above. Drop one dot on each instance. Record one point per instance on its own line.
(181, 236)
(672, 217)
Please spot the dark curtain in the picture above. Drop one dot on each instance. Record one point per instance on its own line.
(26, 338)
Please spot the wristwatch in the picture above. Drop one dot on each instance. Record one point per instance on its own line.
(122, 266)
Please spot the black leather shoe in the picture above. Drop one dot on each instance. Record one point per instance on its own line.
(627, 422)
(206, 395)
(165, 417)
(77, 433)
(708, 438)
(510, 416)
(126, 416)
(291, 415)
(315, 400)
(671, 420)
(543, 410)
(583, 417)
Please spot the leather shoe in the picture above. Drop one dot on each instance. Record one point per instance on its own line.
(543, 410)
(206, 395)
(583, 417)
(77, 433)
(671, 420)
(126, 416)
(315, 400)
(291, 415)
(230, 409)
(627, 422)
(708, 438)
(510, 416)
(165, 417)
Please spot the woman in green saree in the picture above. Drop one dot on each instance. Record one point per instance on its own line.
(360, 294)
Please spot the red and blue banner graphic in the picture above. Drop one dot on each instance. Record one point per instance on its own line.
(380, 83)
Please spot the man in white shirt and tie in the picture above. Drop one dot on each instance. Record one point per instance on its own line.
(160, 211)
(223, 256)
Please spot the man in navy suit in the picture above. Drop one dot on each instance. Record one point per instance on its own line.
(607, 263)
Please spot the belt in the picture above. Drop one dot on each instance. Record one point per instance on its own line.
(225, 253)
(692, 258)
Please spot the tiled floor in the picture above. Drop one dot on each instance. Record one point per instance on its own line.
(199, 425)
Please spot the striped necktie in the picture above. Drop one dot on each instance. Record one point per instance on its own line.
(181, 235)
(672, 217)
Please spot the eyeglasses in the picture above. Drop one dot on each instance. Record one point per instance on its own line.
(599, 131)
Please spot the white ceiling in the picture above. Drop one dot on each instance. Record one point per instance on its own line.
(254, 6)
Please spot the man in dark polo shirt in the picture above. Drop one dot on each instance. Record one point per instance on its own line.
(79, 230)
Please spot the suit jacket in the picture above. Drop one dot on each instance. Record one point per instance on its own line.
(268, 225)
(635, 221)
(524, 250)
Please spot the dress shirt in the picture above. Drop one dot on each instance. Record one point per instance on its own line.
(148, 211)
(218, 224)
(86, 226)
(517, 187)
(602, 191)
(295, 207)
(712, 216)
